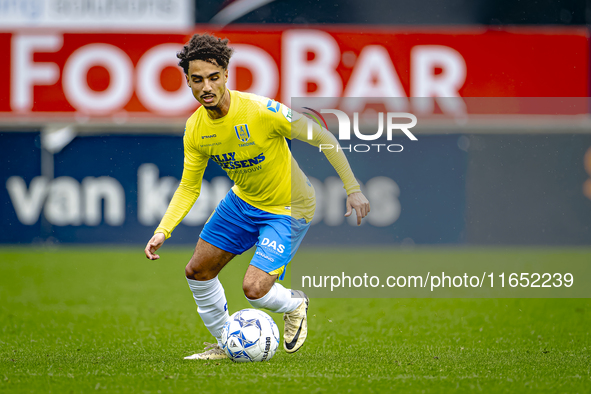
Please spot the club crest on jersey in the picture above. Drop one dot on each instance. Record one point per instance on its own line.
(242, 132)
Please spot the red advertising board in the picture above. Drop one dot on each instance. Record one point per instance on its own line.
(130, 75)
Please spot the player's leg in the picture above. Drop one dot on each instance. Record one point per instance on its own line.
(208, 293)
(276, 247)
(222, 238)
(263, 292)
(202, 275)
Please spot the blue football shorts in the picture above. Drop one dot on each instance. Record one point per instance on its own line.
(236, 226)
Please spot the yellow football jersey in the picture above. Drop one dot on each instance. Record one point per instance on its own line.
(249, 144)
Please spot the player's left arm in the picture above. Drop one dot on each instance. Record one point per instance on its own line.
(355, 199)
(359, 203)
(294, 125)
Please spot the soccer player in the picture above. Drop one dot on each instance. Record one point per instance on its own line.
(270, 205)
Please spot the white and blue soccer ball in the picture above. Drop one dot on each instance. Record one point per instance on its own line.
(250, 335)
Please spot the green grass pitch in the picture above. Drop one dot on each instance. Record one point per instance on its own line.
(105, 319)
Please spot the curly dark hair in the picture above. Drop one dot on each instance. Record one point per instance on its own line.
(205, 47)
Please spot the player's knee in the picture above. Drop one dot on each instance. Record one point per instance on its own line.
(189, 272)
(196, 273)
(253, 291)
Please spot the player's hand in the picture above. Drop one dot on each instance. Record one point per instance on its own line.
(153, 245)
(359, 203)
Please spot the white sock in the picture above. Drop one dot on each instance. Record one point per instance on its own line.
(278, 300)
(211, 304)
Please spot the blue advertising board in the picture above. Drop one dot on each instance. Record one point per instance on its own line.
(115, 189)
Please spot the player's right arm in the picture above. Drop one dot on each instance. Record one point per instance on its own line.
(184, 197)
(153, 245)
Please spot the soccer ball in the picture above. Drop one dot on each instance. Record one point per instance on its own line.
(250, 335)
